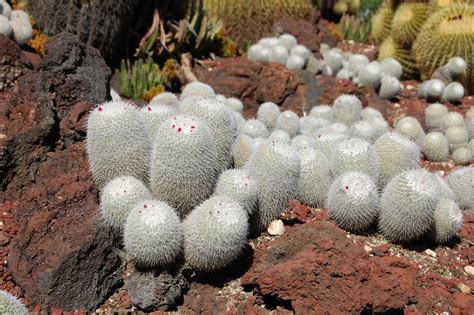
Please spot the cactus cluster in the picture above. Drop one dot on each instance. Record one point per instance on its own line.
(179, 179)
(448, 135)
(443, 85)
(15, 24)
(283, 49)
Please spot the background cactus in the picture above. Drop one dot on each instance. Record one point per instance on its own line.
(346, 109)
(215, 234)
(184, 163)
(353, 201)
(462, 156)
(396, 154)
(240, 186)
(280, 136)
(115, 135)
(355, 155)
(407, 205)
(197, 89)
(153, 235)
(434, 115)
(457, 137)
(407, 22)
(255, 129)
(435, 147)
(411, 128)
(268, 114)
(289, 122)
(153, 116)
(118, 197)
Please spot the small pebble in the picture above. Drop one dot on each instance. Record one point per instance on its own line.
(431, 253)
(464, 288)
(367, 248)
(276, 228)
(469, 270)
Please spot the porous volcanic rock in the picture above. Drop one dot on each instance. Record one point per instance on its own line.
(258, 82)
(315, 267)
(62, 256)
(13, 63)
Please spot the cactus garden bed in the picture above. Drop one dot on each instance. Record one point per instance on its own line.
(297, 172)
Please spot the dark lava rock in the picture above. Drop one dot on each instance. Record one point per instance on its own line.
(150, 290)
(61, 256)
(13, 63)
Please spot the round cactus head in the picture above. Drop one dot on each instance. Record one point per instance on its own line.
(255, 129)
(322, 111)
(300, 50)
(21, 27)
(268, 114)
(280, 136)
(433, 116)
(396, 154)
(184, 162)
(166, 99)
(369, 113)
(5, 9)
(153, 115)
(288, 41)
(315, 178)
(355, 155)
(363, 130)
(240, 186)
(153, 234)
(5, 27)
(295, 62)
(453, 92)
(435, 147)
(309, 125)
(389, 87)
(452, 119)
(119, 197)
(457, 137)
(235, 104)
(333, 60)
(407, 205)
(461, 182)
(353, 201)
(197, 89)
(448, 219)
(117, 143)
(279, 54)
(434, 89)
(327, 143)
(289, 122)
(253, 51)
(346, 109)
(462, 156)
(392, 67)
(9, 304)
(456, 67)
(215, 233)
(302, 142)
(411, 128)
(370, 74)
(357, 60)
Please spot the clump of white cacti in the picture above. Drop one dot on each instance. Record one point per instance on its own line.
(240, 186)
(283, 50)
(15, 23)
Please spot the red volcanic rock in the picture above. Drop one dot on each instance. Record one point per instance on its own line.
(13, 63)
(59, 253)
(314, 267)
(258, 82)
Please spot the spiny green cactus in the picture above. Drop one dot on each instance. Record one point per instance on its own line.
(353, 201)
(215, 234)
(354, 28)
(153, 235)
(136, 79)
